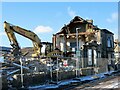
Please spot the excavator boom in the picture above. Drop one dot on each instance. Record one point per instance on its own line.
(10, 29)
(13, 41)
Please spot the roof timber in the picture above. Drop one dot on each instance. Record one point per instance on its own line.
(84, 36)
(79, 34)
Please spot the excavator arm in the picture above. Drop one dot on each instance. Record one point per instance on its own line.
(13, 41)
(26, 33)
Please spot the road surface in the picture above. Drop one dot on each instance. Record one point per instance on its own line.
(110, 83)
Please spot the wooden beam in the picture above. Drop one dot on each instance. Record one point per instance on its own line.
(80, 34)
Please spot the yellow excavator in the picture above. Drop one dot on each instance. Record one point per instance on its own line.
(10, 29)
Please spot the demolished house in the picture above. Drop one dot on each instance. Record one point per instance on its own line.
(93, 43)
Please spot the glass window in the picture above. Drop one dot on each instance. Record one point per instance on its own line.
(95, 56)
(109, 42)
(89, 56)
(112, 42)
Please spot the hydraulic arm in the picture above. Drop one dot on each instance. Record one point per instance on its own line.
(10, 29)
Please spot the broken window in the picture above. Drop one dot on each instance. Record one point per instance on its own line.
(73, 46)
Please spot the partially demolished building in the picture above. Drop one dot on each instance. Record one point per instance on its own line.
(92, 43)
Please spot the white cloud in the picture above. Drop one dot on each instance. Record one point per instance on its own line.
(43, 29)
(113, 18)
(71, 12)
(2, 34)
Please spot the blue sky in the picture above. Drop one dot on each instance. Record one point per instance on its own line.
(45, 19)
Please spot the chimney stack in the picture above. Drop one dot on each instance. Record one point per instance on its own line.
(90, 21)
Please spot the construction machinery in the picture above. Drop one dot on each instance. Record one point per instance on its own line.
(10, 29)
(17, 61)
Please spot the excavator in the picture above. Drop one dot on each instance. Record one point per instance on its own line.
(16, 62)
(10, 29)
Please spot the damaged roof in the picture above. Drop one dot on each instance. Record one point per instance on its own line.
(78, 19)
